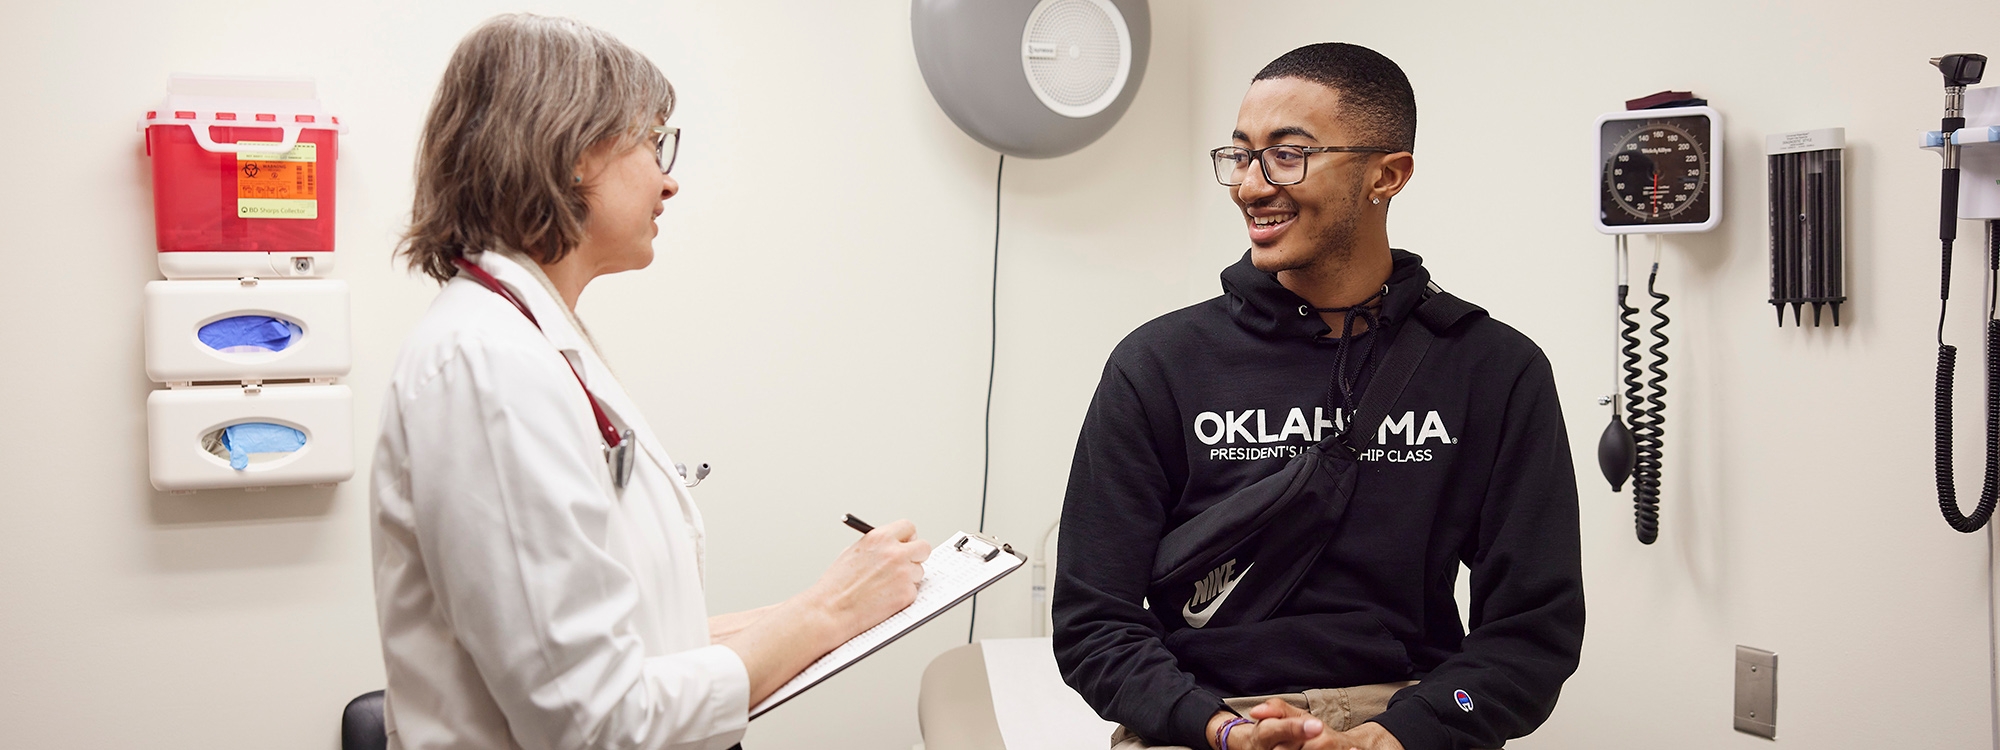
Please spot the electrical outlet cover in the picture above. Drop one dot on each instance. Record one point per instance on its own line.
(1757, 692)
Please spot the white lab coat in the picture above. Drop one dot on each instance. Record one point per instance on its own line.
(524, 602)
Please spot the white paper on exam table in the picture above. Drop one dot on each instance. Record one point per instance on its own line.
(955, 571)
(1030, 702)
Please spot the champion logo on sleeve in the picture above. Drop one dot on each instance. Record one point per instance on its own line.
(1464, 700)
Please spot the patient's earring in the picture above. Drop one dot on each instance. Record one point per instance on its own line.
(1376, 201)
(578, 179)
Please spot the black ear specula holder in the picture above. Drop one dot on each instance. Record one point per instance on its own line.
(1808, 262)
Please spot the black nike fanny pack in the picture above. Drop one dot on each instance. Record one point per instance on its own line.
(1238, 561)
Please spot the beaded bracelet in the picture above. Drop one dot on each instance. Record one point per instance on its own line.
(1222, 735)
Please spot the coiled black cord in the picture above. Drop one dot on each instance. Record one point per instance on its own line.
(1645, 505)
(1649, 422)
(1947, 364)
(1645, 406)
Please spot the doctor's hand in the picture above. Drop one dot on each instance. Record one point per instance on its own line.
(873, 579)
(870, 581)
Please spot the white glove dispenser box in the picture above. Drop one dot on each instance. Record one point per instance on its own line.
(187, 320)
(182, 425)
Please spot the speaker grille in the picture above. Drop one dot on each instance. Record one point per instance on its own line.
(1076, 54)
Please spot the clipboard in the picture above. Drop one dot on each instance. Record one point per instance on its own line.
(965, 564)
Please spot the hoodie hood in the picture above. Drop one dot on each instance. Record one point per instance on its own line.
(1264, 307)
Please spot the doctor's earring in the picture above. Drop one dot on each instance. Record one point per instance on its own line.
(1376, 201)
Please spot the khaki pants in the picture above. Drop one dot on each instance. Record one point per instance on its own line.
(1341, 708)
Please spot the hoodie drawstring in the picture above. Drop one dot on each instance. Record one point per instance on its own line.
(1341, 382)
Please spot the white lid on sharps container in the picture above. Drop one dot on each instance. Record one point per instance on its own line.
(200, 102)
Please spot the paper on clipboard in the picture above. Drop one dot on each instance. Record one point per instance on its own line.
(956, 570)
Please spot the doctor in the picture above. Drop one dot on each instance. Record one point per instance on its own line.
(531, 592)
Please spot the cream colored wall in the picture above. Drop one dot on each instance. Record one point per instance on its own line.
(815, 326)
(1799, 514)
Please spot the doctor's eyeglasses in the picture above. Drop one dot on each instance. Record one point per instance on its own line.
(666, 146)
(1282, 165)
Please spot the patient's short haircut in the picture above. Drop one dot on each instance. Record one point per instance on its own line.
(523, 99)
(1375, 96)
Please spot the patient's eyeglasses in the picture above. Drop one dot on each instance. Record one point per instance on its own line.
(666, 146)
(1282, 165)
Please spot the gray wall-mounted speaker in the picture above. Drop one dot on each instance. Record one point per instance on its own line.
(1032, 78)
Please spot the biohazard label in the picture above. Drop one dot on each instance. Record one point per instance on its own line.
(277, 185)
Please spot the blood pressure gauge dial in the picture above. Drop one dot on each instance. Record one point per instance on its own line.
(1659, 170)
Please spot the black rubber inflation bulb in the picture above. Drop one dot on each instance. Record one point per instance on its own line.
(1617, 453)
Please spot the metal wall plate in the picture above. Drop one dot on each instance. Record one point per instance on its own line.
(1756, 692)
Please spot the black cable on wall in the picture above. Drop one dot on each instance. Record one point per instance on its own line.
(992, 362)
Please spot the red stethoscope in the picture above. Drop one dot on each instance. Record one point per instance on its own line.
(617, 445)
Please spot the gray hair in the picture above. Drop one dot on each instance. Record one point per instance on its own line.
(523, 99)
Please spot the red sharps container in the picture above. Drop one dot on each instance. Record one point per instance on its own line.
(243, 178)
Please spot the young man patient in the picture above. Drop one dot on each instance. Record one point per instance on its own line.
(1469, 464)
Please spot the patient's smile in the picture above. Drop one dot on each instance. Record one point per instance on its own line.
(1266, 224)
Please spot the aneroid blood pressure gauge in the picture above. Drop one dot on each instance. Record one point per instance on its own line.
(1659, 170)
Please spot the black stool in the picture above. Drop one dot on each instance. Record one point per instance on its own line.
(361, 726)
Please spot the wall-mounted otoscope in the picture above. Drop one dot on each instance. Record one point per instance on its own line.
(1960, 71)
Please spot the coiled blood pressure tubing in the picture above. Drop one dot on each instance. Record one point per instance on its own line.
(1960, 71)
(1639, 449)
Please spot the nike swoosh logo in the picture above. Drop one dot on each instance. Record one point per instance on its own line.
(1200, 619)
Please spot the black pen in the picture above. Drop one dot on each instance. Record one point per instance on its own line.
(857, 524)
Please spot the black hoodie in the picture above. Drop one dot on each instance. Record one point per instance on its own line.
(1472, 465)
